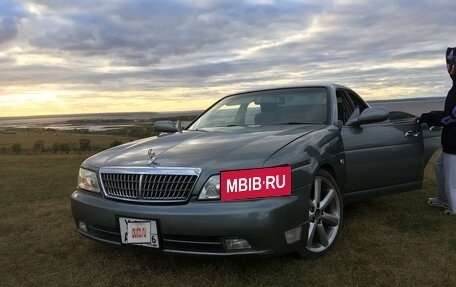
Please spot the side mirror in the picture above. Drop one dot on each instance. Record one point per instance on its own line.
(165, 127)
(371, 115)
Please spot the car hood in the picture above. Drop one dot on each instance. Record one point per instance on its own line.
(224, 149)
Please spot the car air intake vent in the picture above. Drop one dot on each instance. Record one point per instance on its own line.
(149, 184)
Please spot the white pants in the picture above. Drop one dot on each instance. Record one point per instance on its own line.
(445, 177)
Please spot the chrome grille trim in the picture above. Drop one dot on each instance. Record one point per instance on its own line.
(149, 184)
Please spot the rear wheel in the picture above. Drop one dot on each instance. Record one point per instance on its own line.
(325, 215)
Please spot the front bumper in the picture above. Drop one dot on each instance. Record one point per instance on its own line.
(200, 227)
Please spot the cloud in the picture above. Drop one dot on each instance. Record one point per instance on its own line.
(10, 17)
(143, 33)
(184, 49)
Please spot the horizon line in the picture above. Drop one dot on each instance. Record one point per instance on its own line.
(184, 112)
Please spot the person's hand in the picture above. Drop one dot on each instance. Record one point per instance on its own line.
(424, 118)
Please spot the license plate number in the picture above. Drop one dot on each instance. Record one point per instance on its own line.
(139, 232)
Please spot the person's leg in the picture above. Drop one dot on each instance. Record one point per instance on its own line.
(440, 178)
(449, 172)
(441, 199)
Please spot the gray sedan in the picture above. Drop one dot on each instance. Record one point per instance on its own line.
(258, 173)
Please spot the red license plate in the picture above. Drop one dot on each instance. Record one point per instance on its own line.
(255, 183)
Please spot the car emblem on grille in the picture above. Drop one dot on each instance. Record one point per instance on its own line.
(152, 156)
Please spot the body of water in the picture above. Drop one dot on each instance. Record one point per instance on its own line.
(415, 106)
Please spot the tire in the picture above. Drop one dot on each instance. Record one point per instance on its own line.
(325, 216)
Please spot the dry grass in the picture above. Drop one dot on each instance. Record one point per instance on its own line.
(389, 241)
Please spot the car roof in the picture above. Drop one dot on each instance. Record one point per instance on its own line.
(307, 85)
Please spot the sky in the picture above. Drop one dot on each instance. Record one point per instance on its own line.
(101, 56)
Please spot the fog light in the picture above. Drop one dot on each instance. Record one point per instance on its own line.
(82, 226)
(293, 235)
(237, 244)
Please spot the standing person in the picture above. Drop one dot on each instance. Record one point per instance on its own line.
(445, 165)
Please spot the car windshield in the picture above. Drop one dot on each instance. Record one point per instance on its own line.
(271, 107)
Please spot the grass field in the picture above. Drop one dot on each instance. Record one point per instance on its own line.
(390, 241)
(27, 138)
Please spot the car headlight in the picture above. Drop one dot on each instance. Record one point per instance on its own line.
(211, 189)
(87, 180)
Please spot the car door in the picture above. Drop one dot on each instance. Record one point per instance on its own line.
(380, 157)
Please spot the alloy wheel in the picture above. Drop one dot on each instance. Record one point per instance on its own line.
(324, 215)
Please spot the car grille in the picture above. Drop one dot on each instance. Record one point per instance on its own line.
(149, 184)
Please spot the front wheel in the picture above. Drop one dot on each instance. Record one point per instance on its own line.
(325, 215)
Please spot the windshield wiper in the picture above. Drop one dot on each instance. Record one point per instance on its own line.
(234, 125)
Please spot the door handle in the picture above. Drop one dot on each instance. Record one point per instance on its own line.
(412, 134)
(435, 129)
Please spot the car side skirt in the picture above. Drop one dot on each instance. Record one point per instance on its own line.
(381, 191)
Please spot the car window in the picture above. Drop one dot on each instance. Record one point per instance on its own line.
(357, 101)
(270, 107)
(345, 106)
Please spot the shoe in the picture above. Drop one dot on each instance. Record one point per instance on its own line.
(437, 202)
(449, 212)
